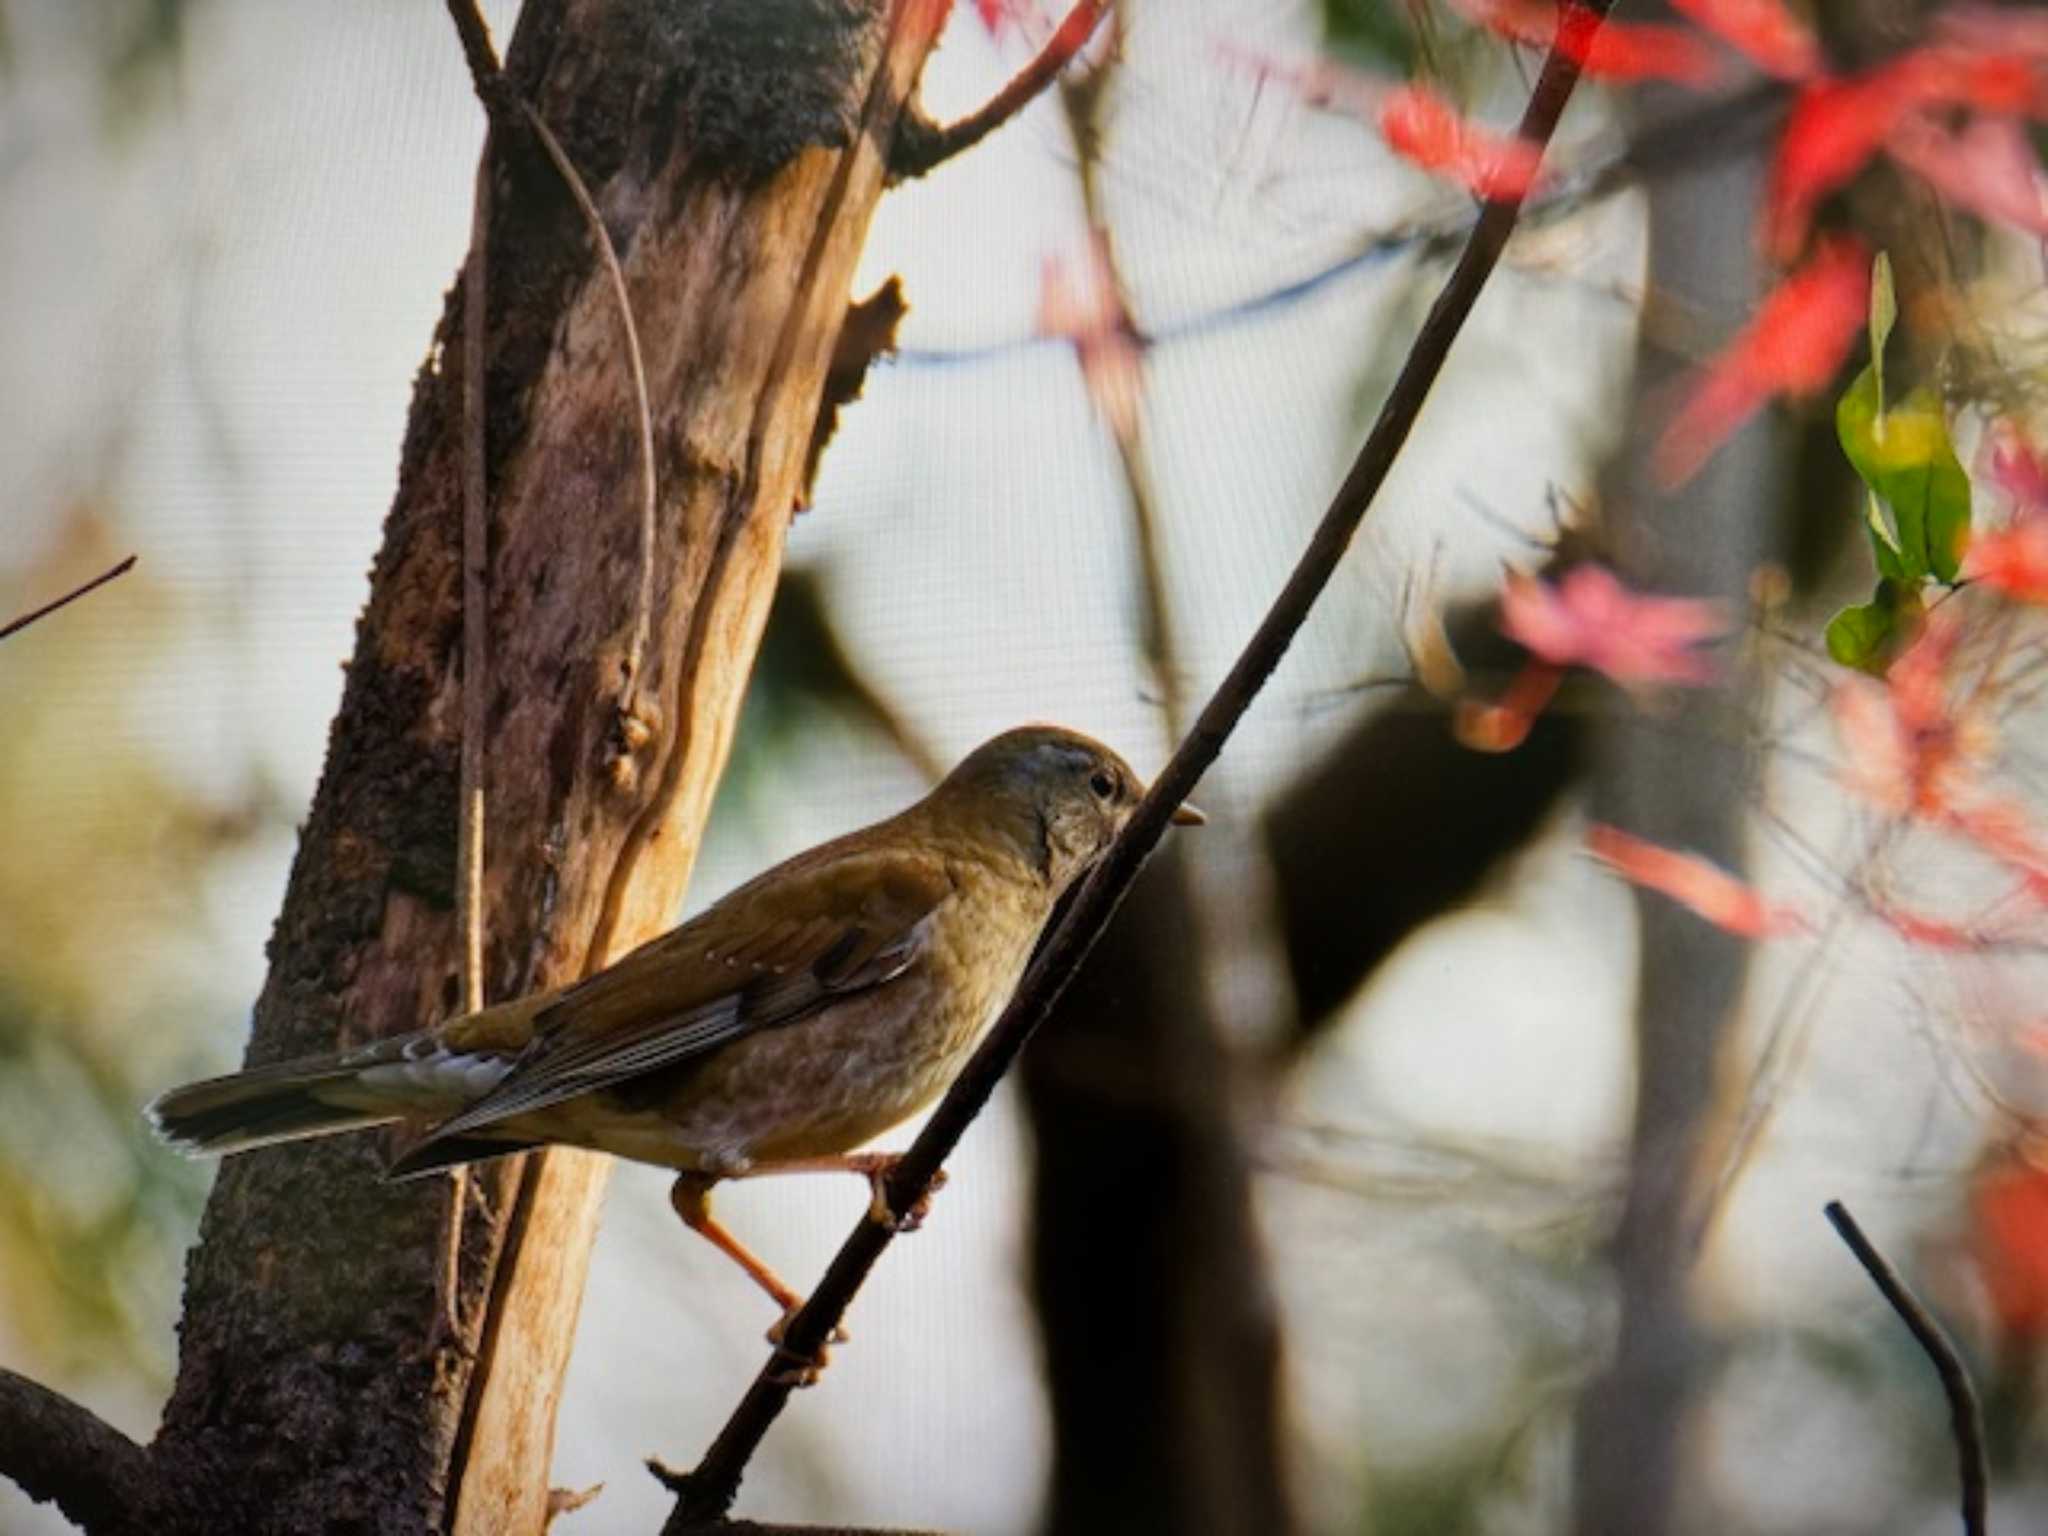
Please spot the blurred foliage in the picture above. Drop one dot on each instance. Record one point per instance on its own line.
(102, 990)
(1373, 32)
(135, 44)
(804, 684)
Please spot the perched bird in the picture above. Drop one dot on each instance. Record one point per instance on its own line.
(794, 1020)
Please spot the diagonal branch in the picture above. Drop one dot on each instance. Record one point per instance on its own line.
(708, 1492)
(1966, 1417)
(24, 620)
(56, 1450)
(922, 145)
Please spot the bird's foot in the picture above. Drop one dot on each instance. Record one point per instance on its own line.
(883, 1215)
(794, 1369)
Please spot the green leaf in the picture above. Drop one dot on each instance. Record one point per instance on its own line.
(1369, 32)
(1884, 314)
(1905, 457)
(1865, 636)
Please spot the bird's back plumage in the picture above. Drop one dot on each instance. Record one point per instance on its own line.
(800, 1015)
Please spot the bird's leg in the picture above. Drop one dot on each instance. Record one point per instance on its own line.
(875, 1167)
(691, 1197)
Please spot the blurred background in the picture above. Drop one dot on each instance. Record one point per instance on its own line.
(229, 227)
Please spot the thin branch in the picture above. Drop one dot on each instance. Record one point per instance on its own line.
(469, 885)
(708, 1492)
(72, 596)
(498, 98)
(643, 614)
(57, 1450)
(1966, 1418)
(923, 146)
(469, 832)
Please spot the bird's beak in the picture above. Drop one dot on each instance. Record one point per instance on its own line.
(1185, 815)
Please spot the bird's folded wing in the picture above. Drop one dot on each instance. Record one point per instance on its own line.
(768, 955)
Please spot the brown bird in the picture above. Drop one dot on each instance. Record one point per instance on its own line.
(802, 1015)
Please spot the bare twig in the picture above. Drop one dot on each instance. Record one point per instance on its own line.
(1966, 1418)
(469, 832)
(26, 619)
(498, 98)
(643, 613)
(708, 1492)
(57, 1450)
(469, 884)
(922, 146)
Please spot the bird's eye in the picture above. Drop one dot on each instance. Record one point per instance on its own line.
(1103, 785)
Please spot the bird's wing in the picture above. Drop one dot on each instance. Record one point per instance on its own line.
(772, 953)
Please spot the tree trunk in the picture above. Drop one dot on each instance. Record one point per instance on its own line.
(1162, 1339)
(1685, 787)
(736, 149)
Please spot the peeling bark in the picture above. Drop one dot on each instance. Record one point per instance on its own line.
(736, 151)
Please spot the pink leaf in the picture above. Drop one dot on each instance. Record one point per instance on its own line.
(1421, 127)
(2012, 560)
(1987, 167)
(1089, 314)
(1692, 882)
(1793, 346)
(1928, 932)
(1995, 30)
(1775, 40)
(1591, 620)
(2010, 462)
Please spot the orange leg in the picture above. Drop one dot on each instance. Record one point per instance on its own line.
(691, 1197)
(875, 1167)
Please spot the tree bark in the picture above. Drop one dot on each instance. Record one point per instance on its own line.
(736, 149)
(1685, 788)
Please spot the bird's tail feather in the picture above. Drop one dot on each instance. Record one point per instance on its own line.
(291, 1101)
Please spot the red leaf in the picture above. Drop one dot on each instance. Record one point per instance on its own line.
(1793, 346)
(1706, 889)
(1590, 619)
(1837, 125)
(1834, 129)
(1647, 51)
(1775, 40)
(1617, 50)
(2009, 1240)
(1987, 167)
(1420, 126)
(1504, 724)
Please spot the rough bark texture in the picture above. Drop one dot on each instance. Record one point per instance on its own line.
(735, 150)
(1162, 1341)
(1685, 788)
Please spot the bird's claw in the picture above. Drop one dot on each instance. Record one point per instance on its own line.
(793, 1369)
(883, 1215)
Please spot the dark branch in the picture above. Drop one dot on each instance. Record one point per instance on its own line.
(708, 1492)
(1966, 1418)
(56, 1450)
(72, 596)
(922, 145)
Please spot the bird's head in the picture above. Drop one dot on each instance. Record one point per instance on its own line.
(1059, 797)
